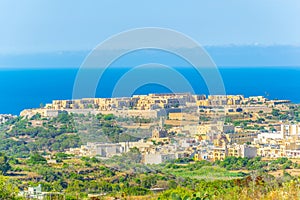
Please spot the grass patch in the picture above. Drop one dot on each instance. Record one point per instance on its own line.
(205, 172)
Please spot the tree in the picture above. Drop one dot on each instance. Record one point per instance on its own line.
(37, 116)
(228, 120)
(4, 165)
(61, 155)
(37, 159)
(108, 117)
(8, 191)
(275, 112)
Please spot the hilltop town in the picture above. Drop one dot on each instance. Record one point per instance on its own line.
(156, 146)
(189, 126)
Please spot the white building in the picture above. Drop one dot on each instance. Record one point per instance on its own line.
(290, 130)
(104, 149)
(98, 149)
(157, 158)
(264, 138)
(33, 193)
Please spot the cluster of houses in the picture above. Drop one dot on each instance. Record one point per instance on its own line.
(161, 147)
(197, 126)
(5, 117)
(151, 105)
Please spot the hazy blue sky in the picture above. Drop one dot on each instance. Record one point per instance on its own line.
(45, 26)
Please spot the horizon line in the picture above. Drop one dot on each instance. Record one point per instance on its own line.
(258, 45)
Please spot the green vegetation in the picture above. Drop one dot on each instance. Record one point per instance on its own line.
(205, 172)
(228, 120)
(54, 134)
(236, 163)
(36, 159)
(8, 191)
(4, 164)
(102, 128)
(124, 176)
(20, 137)
(26, 142)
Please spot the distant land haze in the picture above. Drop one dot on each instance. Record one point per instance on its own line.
(21, 89)
(223, 56)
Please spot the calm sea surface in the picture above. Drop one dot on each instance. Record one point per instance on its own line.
(20, 89)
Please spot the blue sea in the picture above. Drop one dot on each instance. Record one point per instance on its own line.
(22, 89)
